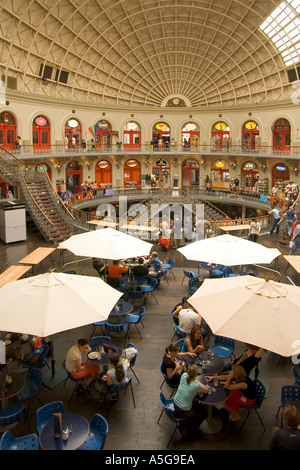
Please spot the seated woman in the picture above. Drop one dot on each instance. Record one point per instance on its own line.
(242, 391)
(248, 360)
(194, 341)
(171, 366)
(117, 374)
(85, 370)
(185, 404)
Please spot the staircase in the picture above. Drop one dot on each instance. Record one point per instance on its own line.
(47, 210)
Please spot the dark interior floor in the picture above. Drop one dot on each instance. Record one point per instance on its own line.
(136, 428)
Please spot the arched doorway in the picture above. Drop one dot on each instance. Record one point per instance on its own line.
(161, 136)
(250, 136)
(103, 172)
(74, 177)
(43, 167)
(161, 170)
(190, 172)
(132, 136)
(220, 136)
(280, 173)
(132, 174)
(219, 171)
(249, 175)
(190, 136)
(282, 135)
(73, 134)
(40, 134)
(103, 135)
(8, 130)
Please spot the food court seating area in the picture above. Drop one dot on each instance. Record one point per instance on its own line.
(129, 416)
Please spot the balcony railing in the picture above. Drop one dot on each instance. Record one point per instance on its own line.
(89, 150)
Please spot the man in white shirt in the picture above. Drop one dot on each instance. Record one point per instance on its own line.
(187, 317)
(275, 213)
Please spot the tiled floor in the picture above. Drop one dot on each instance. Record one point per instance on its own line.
(136, 428)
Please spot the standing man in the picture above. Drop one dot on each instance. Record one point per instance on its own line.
(276, 216)
(295, 239)
(254, 230)
(291, 218)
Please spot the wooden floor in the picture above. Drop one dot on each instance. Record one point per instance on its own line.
(136, 428)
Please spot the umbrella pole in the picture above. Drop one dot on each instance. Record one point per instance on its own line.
(52, 357)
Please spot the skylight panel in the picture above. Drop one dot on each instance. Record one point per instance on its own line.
(283, 28)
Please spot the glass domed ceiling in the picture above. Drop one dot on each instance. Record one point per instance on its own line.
(141, 52)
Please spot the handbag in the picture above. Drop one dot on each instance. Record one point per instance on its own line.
(291, 244)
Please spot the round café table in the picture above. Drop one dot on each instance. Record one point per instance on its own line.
(11, 390)
(212, 424)
(213, 363)
(79, 434)
(119, 312)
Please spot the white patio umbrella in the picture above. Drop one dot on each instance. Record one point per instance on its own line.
(107, 244)
(54, 302)
(253, 310)
(228, 251)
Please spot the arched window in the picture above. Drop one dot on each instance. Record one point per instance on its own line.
(249, 175)
(220, 136)
(282, 136)
(161, 136)
(190, 136)
(132, 136)
(219, 171)
(190, 172)
(8, 130)
(73, 134)
(250, 136)
(40, 134)
(74, 177)
(132, 174)
(103, 135)
(103, 172)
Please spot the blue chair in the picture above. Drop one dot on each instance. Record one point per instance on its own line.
(227, 272)
(150, 288)
(168, 407)
(223, 347)
(132, 319)
(116, 389)
(136, 297)
(217, 273)
(141, 313)
(9, 442)
(296, 375)
(117, 329)
(76, 381)
(178, 331)
(97, 435)
(169, 265)
(180, 342)
(194, 285)
(261, 395)
(97, 341)
(132, 362)
(95, 325)
(45, 413)
(167, 381)
(11, 414)
(42, 361)
(289, 393)
(162, 275)
(31, 389)
(190, 275)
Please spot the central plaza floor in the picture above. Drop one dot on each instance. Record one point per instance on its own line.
(136, 428)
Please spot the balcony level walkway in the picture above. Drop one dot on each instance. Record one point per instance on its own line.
(136, 429)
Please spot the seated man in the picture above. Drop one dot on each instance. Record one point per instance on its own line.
(140, 270)
(86, 370)
(115, 271)
(187, 317)
(156, 265)
(289, 438)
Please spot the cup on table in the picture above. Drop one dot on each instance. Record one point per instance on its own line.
(216, 381)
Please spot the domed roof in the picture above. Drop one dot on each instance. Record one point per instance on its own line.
(145, 53)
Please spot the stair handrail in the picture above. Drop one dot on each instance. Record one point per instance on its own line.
(58, 198)
(17, 165)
